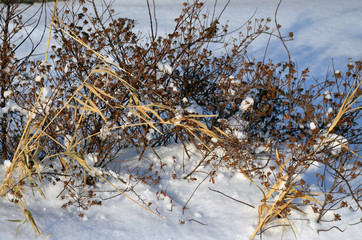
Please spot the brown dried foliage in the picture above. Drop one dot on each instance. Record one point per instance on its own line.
(211, 81)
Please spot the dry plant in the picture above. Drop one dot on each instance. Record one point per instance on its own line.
(291, 189)
(106, 88)
(275, 209)
(315, 125)
(40, 145)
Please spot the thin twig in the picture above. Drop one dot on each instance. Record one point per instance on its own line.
(232, 198)
(222, 11)
(326, 230)
(280, 35)
(266, 229)
(151, 21)
(266, 48)
(155, 17)
(110, 197)
(184, 207)
(193, 220)
(352, 224)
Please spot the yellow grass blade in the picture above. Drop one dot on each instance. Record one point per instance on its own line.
(345, 146)
(221, 131)
(93, 106)
(98, 92)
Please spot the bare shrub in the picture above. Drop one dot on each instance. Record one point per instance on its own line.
(105, 88)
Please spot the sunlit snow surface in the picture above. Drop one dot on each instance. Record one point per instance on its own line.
(323, 30)
(208, 215)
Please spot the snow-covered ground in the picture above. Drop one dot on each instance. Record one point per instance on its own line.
(323, 30)
(208, 214)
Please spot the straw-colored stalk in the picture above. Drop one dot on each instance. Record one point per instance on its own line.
(272, 213)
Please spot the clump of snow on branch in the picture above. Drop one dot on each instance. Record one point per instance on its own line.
(164, 69)
(333, 142)
(246, 104)
(327, 95)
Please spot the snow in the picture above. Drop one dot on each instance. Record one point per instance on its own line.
(11, 106)
(66, 69)
(38, 78)
(165, 68)
(333, 142)
(312, 126)
(195, 108)
(208, 214)
(67, 141)
(7, 93)
(261, 149)
(149, 135)
(91, 159)
(329, 111)
(7, 164)
(231, 92)
(246, 104)
(327, 95)
(323, 30)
